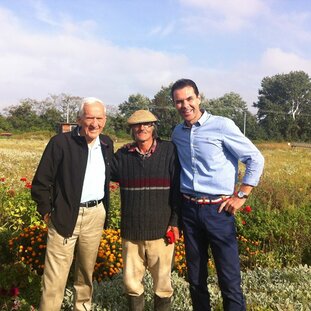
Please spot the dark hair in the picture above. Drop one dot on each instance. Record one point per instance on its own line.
(181, 83)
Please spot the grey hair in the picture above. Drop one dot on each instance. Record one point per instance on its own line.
(89, 101)
(154, 132)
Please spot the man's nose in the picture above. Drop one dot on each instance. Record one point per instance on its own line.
(94, 122)
(184, 103)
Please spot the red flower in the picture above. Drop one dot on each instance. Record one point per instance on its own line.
(247, 209)
(2, 179)
(28, 185)
(243, 222)
(14, 291)
(23, 179)
(113, 186)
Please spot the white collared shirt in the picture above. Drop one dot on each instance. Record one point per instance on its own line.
(94, 179)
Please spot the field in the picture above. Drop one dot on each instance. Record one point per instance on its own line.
(275, 237)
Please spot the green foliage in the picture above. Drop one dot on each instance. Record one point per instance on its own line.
(284, 106)
(274, 234)
(264, 289)
(134, 102)
(114, 217)
(4, 124)
(271, 289)
(5, 253)
(106, 295)
(20, 287)
(275, 238)
(232, 106)
(23, 117)
(34, 115)
(17, 209)
(163, 108)
(117, 126)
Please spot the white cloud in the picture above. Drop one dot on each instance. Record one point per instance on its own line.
(35, 65)
(163, 31)
(70, 59)
(245, 8)
(226, 15)
(275, 60)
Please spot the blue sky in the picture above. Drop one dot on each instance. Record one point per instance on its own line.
(114, 48)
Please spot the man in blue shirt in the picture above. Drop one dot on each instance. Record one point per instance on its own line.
(209, 149)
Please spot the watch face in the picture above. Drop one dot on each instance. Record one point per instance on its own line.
(241, 195)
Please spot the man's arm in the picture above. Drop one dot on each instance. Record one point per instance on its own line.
(175, 198)
(42, 190)
(246, 152)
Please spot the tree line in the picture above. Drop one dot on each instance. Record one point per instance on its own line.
(284, 110)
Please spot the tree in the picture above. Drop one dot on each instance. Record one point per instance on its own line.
(31, 114)
(4, 124)
(284, 105)
(23, 117)
(134, 102)
(232, 106)
(67, 105)
(163, 108)
(51, 118)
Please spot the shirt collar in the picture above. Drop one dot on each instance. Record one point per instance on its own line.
(204, 117)
(134, 148)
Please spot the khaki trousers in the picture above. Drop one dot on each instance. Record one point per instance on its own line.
(157, 256)
(59, 256)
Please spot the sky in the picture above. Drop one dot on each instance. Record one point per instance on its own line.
(112, 49)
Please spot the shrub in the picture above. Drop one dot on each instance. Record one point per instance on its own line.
(30, 245)
(275, 238)
(264, 289)
(109, 259)
(19, 287)
(284, 289)
(114, 216)
(17, 209)
(109, 295)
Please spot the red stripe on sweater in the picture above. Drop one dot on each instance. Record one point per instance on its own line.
(150, 182)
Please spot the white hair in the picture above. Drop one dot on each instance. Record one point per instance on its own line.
(89, 101)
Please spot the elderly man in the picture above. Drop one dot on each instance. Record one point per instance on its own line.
(71, 189)
(209, 149)
(148, 173)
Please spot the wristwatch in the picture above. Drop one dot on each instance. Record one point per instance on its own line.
(242, 195)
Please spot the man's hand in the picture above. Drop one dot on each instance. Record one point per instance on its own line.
(175, 230)
(46, 218)
(232, 205)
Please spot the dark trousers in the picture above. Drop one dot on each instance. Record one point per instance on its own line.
(203, 227)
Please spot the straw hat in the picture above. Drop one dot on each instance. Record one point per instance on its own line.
(141, 116)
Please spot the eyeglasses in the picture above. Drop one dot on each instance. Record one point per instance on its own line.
(145, 124)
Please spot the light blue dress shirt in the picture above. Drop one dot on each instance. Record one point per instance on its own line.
(209, 153)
